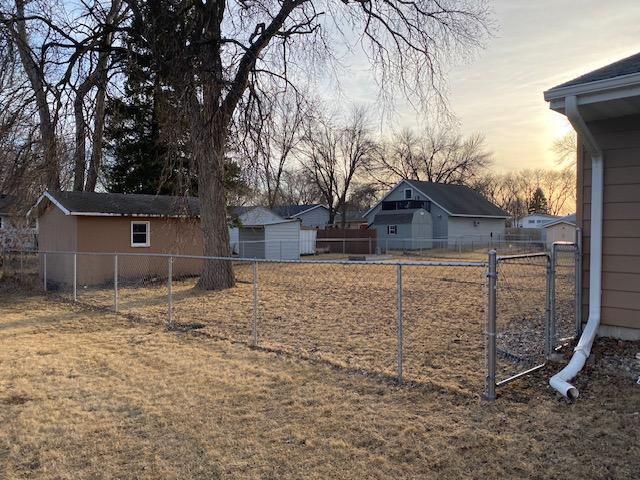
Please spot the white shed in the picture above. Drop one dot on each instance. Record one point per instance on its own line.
(263, 234)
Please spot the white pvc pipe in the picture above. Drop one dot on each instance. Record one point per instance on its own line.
(560, 381)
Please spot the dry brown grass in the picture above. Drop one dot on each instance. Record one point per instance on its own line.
(346, 315)
(86, 394)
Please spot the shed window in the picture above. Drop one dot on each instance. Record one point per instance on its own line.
(392, 229)
(140, 234)
(408, 194)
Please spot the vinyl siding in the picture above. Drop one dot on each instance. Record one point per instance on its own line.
(561, 232)
(620, 139)
(282, 241)
(318, 217)
(464, 227)
(438, 216)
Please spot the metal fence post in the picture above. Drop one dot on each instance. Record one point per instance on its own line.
(370, 246)
(75, 277)
(552, 298)
(21, 266)
(578, 282)
(44, 270)
(170, 293)
(548, 341)
(399, 319)
(492, 276)
(115, 283)
(254, 326)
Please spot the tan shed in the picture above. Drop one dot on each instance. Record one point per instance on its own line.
(561, 230)
(87, 222)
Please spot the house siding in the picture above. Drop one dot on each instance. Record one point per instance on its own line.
(620, 140)
(71, 233)
(463, 228)
(316, 218)
(438, 215)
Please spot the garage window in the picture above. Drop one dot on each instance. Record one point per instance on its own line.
(408, 194)
(140, 234)
(392, 229)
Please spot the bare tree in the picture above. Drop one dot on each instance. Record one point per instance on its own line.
(336, 154)
(512, 191)
(220, 54)
(299, 187)
(65, 50)
(95, 79)
(269, 142)
(565, 148)
(434, 155)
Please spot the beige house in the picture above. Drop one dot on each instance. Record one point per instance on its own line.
(116, 223)
(604, 108)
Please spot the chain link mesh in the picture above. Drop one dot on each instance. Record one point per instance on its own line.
(430, 330)
(521, 313)
(565, 255)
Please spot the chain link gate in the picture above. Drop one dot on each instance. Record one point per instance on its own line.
(534, 308)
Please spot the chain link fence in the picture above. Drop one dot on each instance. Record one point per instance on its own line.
(534, 308)
(414, 321)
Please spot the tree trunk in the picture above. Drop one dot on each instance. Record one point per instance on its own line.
(208, 137)
(79, 154)
(35, 75)
(97, 140)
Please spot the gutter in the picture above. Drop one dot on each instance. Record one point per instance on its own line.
(560, 381)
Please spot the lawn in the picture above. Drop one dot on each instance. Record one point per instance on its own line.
(87, 394)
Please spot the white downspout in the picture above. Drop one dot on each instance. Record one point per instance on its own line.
(560, 381)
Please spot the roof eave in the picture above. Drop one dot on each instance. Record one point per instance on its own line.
(597, 91)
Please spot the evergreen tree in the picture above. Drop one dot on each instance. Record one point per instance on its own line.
(538, 202)
(147, 139)
(140, 157)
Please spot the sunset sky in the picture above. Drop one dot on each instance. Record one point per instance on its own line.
(535, 46)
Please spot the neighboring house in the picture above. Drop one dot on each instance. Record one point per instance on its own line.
(604, 108)
(456, 213)
(313, 215)
(261, 233)
(534, 220)
(16, 232)
(562, 229)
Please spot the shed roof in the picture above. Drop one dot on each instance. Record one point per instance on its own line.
(625, 66)
(124, 204)
(287, 211)
(395, 218)
(458, 200)
(569, 219)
